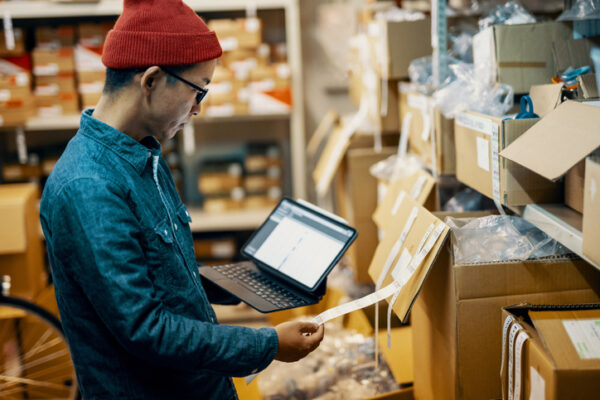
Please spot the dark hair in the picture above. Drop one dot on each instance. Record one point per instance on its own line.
(116, 79)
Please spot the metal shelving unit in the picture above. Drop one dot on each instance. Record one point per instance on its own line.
(243, 220)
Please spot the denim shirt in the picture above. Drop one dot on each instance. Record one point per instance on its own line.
(134, 309)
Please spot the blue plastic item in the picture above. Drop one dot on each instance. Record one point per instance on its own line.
(573, 74)
(526, 109)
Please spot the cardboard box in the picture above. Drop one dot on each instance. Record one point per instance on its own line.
(13, 75)
(413, 230)
(457, 343)
(573, 53)
(518, 55)
(21, 172)
(48, 61)
(558, 359)
(591, 210)
(474, 160)
(415, 116)
(396, 44)
(574, 185)
(21, 249)
(566, 136)
(420, 186)
(61, 104)
(15, 112)
(18, 49)
(218, 182)
(239, 33)
(64, 82)
(62, 36)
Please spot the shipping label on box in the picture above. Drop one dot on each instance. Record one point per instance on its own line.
(478, 164)
(518, 55)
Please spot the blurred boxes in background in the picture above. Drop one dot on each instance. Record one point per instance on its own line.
(237, 34)
(90, 71)
(558, 359)
(519, 55)
(457, 342)
(16, 98)
(591, 210)
(215, 250)
(21, 249)
(18, 46)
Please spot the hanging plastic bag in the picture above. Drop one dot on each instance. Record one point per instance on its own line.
(498, 238)
(511, 13)
(581, 10)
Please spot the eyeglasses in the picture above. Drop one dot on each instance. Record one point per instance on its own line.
(200, 92)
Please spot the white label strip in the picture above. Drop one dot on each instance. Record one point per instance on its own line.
(417, 188)
(363, 302)
(511, 356)
(496, 170)
(585, 336)
(426, 125)
(9, 34)
(429, 230)
(434, 160)
(523, 336)
(418, 259)
(417, 101)
(398, 202)
(509, 320)
(475, 123)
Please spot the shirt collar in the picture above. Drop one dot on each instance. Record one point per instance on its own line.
(123, 145)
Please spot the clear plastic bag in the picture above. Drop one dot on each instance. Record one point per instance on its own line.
(498, 238)
(399, 15)
(581, 10)
(466, 92)
(420, 72)
(466, 200)
(511, 13)
(395, 167)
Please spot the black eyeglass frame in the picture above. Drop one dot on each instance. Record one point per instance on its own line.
(200, 92)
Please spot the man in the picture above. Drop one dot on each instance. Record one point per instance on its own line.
(134, 308)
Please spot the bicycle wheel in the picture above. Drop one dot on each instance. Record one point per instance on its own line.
(35, 362)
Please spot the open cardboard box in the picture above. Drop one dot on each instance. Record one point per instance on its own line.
(591, 210)
(559, 360)
(518, 55)
(416, 117)
(457, 343)
(564, 137)
(420, 186)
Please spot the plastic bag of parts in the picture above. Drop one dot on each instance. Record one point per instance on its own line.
(511, 13)
(581, 10)
(498, 238)
(467, 93)
(396, 14)
(420, 72)
(461, 46)
(468, 200)
(342, 367)
(396, 167)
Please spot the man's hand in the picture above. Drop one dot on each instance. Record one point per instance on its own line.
(297, 339)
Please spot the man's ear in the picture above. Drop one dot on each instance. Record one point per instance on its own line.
(148, 79)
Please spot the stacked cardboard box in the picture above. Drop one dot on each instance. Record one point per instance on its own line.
(263, 180)
(16, 98)
(54, 71)
(90, 71)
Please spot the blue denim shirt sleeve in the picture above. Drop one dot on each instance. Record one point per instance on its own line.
(112, 272)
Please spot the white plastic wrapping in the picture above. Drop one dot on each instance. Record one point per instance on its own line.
(581, 10)
(467, 93)
(511, 13)
(498, 238)
(396, 167)
(399, 15)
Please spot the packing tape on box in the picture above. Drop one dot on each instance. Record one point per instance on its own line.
(489, 128)
(519, 344)
(398, 202)
(511, 348)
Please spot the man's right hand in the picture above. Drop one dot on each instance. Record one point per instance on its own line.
(297, 339)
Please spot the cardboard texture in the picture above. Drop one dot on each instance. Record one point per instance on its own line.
(588, 86)
(591, 211)
(21, 250)
(396, 44)
(330, 159)
(421, 128)
(545, 98)
(571, 122)
(552, 367)
(518, 186)
(456, 335)
(519, 55)
(574, 181)
(399, 356)
(573, 53)
(424, 219)
(420, 186)
(356, 200)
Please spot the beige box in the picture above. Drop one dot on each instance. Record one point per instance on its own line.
(239, 33)
(591, 210)
(19, 48)
(21, 250)
(557, 359)
(12, 76)
(64, 82)
(61, 104)
(475, 161)
(16, 113)
(457, 340)
(48, 61)
(396, 44)
(62, 36)
(564, 137)
(415, 116)
(218, 182)
(518, 55)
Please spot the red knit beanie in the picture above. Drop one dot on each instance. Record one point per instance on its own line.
(158, 32)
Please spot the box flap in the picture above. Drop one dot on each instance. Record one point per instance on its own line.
(571, 336)
(588, 86)
(545, 98)
(418, 235)
(418, 185)
(399, 357)
(13, 232)
(565, 136)
(330, 159)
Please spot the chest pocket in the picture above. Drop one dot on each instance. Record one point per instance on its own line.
(168, 270)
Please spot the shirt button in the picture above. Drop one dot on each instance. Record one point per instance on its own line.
(149, 154)
(175, 226)
(194, 273)
(166, 232)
